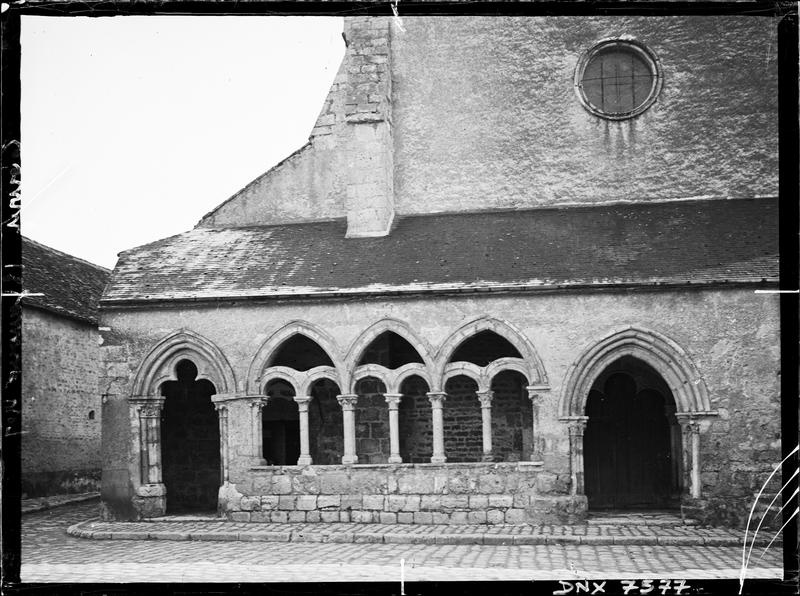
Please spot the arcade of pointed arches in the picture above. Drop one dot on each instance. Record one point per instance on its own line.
(389, 364)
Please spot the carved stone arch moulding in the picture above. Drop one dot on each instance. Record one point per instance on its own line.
(383, 374)
(534, 368)
(504, 364)
(280, 373)
(662, 353)
(159, 364)
(268, 349)
(388, 324)
(467, 369)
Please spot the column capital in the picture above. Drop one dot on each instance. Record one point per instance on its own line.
(437, 398)
(485, 397)
(302, 402)
(393, 399)
(258, 403)
(347, 400)
(148, 407)
(577, 424)
(535, 392)
(222, 410)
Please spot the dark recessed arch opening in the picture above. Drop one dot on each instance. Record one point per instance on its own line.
(632, 443)
(325, 425)
(463, 427)
(190, 448)
(390, 350)
(415, 421)
(484, 347)
(512, 417)
(372, 422)
(280, 421)
(300, 353)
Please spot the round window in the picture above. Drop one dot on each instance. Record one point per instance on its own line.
(618, 79)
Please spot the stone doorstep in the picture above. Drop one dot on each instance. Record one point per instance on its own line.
(413, 535)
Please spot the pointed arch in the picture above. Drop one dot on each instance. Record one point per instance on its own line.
(663, 354)
(159, 364)
(274, 342)
(372, 332)
(535, 372)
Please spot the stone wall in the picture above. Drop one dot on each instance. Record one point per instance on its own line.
(486, 115)
(406, 493)
(730, 335)
(61, 404)
(460, 113)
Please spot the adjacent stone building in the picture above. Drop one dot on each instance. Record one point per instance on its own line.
(509, 279)
(60, 368)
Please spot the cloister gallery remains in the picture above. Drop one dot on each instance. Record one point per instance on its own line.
(510, 278)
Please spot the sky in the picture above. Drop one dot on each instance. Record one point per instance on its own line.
(134, 127)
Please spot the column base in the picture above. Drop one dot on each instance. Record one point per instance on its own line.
(304, 460)
(487, 457)
(395, 459)
(150, 500)
(349, 459)
(438, 459)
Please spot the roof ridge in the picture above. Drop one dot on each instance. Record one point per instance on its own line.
(65, 254)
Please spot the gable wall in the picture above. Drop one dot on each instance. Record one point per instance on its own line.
(485, 113)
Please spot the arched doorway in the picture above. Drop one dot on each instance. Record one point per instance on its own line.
(190, 448)
(632, 442)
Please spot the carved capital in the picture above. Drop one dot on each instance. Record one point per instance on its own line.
(347, 401)
(258, 404)
(302, 402)
(437, 399)
(148, 407)
(393, 400)
(222, 410)
(577, 425)
(485, 397)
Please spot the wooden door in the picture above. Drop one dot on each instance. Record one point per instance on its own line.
(627, 447)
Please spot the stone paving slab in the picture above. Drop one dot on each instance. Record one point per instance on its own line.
(594, 534)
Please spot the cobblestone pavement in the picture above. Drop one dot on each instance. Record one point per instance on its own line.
(50, 555)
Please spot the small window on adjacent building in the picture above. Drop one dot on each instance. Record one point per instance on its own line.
(91, 414)
(618, 79)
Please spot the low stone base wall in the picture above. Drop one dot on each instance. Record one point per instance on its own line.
(43, 484)
(474, 493)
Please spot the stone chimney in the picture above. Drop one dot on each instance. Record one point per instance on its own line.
(369, 159)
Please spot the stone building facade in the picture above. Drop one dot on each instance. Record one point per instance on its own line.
(60, 367)
(493, 287)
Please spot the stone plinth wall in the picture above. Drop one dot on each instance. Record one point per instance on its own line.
(475, 493)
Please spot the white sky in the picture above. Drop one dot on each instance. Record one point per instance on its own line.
(134, 127)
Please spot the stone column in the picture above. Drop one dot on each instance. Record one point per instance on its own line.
(150, 440)
(305, 449)
(577, 425)
(393, 400)
(694, 429)
(256, 406)
(348, 403)
(437, 403)
(536, 398)
(222, 413)
(485, 398)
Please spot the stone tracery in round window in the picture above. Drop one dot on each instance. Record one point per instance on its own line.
(618, 79)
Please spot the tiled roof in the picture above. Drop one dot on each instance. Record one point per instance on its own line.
(69, 286)
(668, 242)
